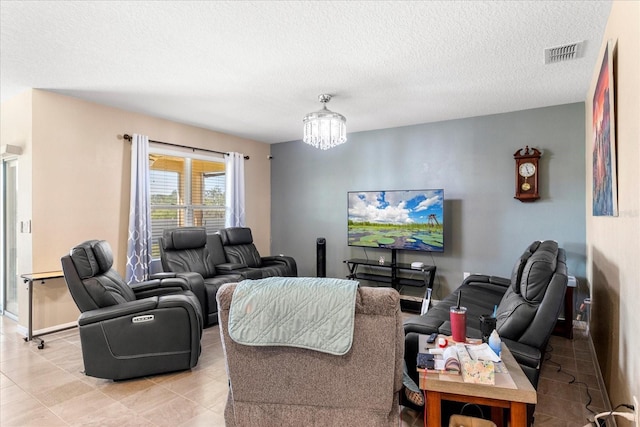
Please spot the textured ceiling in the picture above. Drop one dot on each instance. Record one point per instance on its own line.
(254, 69)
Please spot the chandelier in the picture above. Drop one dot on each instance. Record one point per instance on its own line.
(324, 129)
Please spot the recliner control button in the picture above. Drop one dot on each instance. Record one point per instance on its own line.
(145, 318)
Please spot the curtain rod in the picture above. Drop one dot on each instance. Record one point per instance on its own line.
(128, 138)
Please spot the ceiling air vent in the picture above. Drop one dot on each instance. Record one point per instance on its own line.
(563, 53)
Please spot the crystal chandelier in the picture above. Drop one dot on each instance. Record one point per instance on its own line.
(324, 129)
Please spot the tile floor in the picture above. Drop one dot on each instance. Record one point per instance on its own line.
(47, 388)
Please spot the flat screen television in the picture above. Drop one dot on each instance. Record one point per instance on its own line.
(400, 219)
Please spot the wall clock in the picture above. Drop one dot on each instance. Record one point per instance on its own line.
(527, 172)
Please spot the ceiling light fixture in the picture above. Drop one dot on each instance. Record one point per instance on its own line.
(324, 129)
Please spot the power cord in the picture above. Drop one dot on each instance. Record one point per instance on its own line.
(598, 419)
(602, 415)
(366, 255)
(573, 379)
(436, 290)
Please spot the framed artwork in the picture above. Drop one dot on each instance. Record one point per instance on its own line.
(605, 183)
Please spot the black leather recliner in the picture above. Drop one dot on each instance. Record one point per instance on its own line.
(219, 258)
(239, 249)
(129, 331)
(185, 250)
(528, 307)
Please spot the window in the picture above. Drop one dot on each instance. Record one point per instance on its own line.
(185, 191)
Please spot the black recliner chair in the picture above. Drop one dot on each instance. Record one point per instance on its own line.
(129, 331)
(185, 250)
(528, 305)
(239, 249)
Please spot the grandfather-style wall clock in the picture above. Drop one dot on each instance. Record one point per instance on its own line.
(527, 174)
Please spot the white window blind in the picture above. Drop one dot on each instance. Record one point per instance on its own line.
(185, 191)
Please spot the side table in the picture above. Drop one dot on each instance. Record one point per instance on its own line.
(512, 391)
(29, 279)
(564, 325)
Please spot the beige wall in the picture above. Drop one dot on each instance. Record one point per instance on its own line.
(80, 181)
(614, 242)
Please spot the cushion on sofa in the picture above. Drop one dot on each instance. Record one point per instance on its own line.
(216, 251)
(538, 271)
(184, 250)
(517, 309)
(518, 268)
(84, 260)
(236, 236)
(514, 315)
(184, 238)
(239, 248)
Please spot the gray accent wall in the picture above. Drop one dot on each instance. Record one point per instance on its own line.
(486, 229)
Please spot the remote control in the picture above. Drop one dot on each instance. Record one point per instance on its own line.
(432, 338)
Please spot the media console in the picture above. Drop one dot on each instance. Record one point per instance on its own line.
(387, 272)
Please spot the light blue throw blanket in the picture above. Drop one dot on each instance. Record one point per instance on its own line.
(312, 313)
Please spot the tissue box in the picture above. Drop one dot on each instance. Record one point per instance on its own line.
(478, 372)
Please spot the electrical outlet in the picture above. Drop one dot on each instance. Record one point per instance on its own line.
(636, 411)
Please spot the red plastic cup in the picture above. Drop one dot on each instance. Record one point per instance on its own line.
(458, 318)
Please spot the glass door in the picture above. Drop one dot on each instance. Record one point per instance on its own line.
(9, 268)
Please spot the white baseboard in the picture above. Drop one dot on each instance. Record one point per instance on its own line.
(610, 421)
(23, 330)
(581, 325)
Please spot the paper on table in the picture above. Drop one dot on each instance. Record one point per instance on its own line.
(482, 352)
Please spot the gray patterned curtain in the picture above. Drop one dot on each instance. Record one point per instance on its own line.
(139, 239)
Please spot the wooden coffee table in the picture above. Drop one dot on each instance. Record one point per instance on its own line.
(512, 391)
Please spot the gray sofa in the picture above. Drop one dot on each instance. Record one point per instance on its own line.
(284, 386)
(237, 243)
(528, 307)
(185, 250)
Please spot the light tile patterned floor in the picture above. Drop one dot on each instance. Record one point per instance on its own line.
(47, 388)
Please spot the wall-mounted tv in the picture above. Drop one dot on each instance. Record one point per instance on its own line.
(399, 219)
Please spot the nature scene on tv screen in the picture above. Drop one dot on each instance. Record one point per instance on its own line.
(411, 220)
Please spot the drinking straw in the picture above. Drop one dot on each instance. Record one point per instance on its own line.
(459, 296)
(495, 310)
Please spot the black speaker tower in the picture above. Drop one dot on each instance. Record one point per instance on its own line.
(321, 257)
